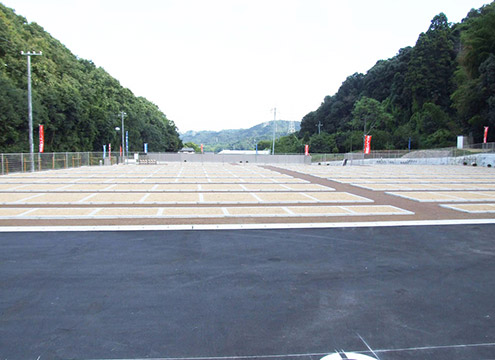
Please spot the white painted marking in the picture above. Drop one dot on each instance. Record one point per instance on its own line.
(95, 211)
(290, 212)
(347, 355)
(256, 197)
(246, 226)
(309, 196)
(143, 199)
(26, 212)
(28, 198)
(303, 355)
(86, 198)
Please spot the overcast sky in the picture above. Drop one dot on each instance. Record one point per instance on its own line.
(225, 64)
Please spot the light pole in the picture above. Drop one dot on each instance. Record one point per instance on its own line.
(30, 106)
(118, 129)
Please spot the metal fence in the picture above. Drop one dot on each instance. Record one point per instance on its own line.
(21, 162)
(447, 153)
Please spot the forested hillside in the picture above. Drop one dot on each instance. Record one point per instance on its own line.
(78, 103)
(442, 87)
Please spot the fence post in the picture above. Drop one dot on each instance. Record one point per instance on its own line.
(22, 162)
(2, 166)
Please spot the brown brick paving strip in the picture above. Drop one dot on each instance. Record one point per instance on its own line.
(420, 210)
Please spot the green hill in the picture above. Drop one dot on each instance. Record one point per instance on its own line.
(442, 87)
(77, 102)
(240, 139)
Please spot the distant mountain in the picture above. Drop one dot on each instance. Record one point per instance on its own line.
(239, 139)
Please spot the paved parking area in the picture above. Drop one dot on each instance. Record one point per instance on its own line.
(74, 287)
(288, 294)
(199, 212)
(223, 193)
(425, 184)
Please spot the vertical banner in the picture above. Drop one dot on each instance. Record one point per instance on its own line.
(485, 135)
(120, 150)
(104, 151)
(42, 139)
(306, 150)
(367, 144)
(201, 148)
(145, 148)
(127, 142)
(110, 151)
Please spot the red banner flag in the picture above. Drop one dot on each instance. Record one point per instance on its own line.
(201, 148)
(485, 135)
(367, 144)
(306, 150)
(42, 139)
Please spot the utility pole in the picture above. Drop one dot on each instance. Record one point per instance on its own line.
(319, 126)
(274, 125)
(30, 106)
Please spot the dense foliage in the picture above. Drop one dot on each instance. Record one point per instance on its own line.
(442, 87)
(78, 103)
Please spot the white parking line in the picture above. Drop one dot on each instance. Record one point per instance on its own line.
(246, 226)
(300, 355)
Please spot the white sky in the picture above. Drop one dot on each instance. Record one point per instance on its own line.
(225, 64)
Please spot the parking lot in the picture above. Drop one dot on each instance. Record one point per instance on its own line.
(333, 259)
(209, 193)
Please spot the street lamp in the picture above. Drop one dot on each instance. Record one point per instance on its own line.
(122, 114)
(30, 106)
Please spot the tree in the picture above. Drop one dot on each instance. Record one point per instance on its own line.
(289, 144)
(369, 114)
(194, 146)
(77, 102)
(432, 65)
(322, 143)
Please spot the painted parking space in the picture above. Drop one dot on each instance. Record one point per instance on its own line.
(425, 186)
(454, 196)
(178, 198)
(472, 208)
(199, 212)
(270, 190)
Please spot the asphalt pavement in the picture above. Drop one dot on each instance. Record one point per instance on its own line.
(419, 292)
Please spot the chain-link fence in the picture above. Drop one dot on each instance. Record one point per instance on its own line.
(22, 162)
(441, 155)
